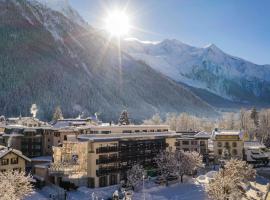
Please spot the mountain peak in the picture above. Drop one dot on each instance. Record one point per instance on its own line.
(212, 47)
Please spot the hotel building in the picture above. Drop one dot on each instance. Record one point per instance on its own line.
(98, 160)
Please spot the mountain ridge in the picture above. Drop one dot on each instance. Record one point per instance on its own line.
(50, 60)
(207, 68)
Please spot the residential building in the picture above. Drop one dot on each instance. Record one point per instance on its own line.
(193, 141)
(230, 141)
(29, 140)
(11, 159)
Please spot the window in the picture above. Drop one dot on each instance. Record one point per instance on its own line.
(234, 152)
(185, 142)
(219, 144)
(234, 144)
(126, 131)
(194, 142)
(14, 160)
(17, 169)
(93, 132)
(5, 161)
(202, 143)
(65, 137)
(219, 151)
(3, 170)
(185, 149)
(105, 132)
(57, 134)
(103, 181)
(227, 144)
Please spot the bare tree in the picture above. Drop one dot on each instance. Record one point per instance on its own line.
(166, 162)
(155, 120)
(14, 185)
(135, 176)
(229, 182)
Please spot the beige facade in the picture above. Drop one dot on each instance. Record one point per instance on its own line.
(107, 129)
(230, 141)
(11, 159)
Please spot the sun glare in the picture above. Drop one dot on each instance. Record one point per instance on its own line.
(117, 23)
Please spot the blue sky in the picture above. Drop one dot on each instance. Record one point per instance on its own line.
(239, 27)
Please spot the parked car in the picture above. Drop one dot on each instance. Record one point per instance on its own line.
(160, 180)
(171, 178)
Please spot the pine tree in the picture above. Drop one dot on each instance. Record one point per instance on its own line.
(124, 119)
(57, 114)
(255, 117)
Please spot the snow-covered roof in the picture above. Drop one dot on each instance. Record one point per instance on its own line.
(203, 134)
(4, 151)
(42, 158)
(227, 133)
(253, 144)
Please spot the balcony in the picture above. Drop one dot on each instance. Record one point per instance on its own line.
(64, 169)
(107, 160)
(107, 170)
(107, 149)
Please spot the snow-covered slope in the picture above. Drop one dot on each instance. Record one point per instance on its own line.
(207, 68)
(63, 7)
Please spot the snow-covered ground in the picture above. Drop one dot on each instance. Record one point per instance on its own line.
(189, 190)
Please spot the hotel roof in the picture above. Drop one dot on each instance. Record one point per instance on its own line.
(123, 136)
(123, 126)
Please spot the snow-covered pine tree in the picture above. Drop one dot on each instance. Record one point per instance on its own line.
(57, 114)
(135, 176)
(124, 119)
(14, 185)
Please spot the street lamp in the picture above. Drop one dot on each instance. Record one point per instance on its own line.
(143, 189)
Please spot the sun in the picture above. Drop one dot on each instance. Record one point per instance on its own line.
(117, 23)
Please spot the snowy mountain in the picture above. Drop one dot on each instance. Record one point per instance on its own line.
(206, 70)
(50, 59)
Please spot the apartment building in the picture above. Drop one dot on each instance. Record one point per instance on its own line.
(231, 141)
(11, 159)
